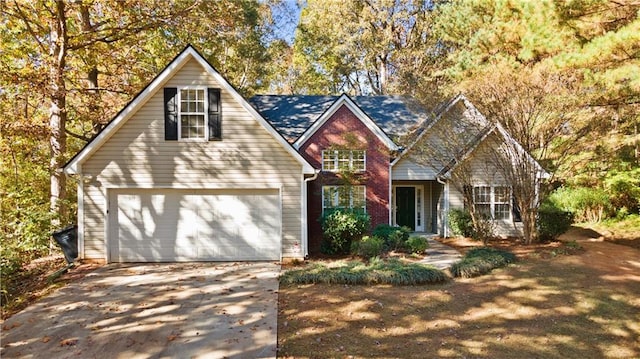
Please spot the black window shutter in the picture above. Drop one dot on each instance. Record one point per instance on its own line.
(517, 216)
(170, 113)
(215, 115)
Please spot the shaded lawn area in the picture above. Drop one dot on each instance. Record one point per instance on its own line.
(584, 305)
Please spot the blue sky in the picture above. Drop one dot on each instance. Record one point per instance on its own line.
(286, 17)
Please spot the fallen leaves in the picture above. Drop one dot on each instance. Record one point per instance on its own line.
(69, 342)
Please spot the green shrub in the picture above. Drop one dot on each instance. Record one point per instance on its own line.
(586, 204)
(417, 244)
(483, 230)
(479, 261)
(552, 221)
(368, 247)
(624, 191)
(376, 271)
(340, 228)
(460, 222)
(394, 237)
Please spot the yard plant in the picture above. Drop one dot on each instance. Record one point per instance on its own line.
(340, 228)
(479, 261)
(375, 271)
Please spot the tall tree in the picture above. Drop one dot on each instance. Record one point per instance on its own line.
(361, 47)
(67, 67)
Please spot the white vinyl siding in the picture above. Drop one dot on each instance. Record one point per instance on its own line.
(408, 170)
(137, 156)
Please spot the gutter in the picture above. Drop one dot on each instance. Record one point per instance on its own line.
(445, 219)
(305, 225)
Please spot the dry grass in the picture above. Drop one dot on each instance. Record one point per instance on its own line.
(572, 304)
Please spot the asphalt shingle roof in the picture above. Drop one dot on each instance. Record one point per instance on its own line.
(291, 115)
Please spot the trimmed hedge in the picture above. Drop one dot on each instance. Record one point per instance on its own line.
(479, 261)
(376, 271)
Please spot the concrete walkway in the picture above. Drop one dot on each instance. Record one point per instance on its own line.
(169, 310)
(440, 255)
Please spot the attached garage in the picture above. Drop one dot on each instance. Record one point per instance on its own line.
(190, 171)
(167, 225)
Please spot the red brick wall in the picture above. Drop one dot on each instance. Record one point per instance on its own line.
(344, 129)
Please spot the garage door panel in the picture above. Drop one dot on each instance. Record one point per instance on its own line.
(181, 225)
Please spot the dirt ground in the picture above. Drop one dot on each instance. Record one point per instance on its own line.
(579, 298)
(35, 282)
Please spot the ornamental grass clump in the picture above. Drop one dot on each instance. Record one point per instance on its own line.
(479, 261)
(376, 271)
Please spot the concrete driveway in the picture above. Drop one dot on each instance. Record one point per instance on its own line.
(176, 310)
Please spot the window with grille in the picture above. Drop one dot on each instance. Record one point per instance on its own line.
(343, 160)
(492, 202)
(343, 197)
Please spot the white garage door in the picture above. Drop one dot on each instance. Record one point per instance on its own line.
(194, 225)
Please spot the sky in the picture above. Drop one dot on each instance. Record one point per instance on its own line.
(286, 17)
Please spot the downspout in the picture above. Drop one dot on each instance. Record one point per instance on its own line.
(81, 179)
(391, 206)
(445, 219)
(305, 226)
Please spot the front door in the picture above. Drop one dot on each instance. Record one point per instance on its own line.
(406, 207)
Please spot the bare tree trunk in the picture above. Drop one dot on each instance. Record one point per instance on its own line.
(92, 74)
(57, 111)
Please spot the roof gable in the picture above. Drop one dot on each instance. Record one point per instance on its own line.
(456, 132)
(345, 100)
(292, 115)
(73, 166)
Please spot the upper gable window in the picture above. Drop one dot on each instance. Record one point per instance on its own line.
(343, 160)
(192, 113)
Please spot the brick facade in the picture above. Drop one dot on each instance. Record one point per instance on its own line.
(345, 130)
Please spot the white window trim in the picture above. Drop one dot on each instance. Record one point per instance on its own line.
(336, 165)
(206, 113)
(335, 188)
(492, 201)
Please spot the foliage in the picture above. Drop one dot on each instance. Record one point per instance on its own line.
(376, 271)
(368, 247)
(586, 204)
(552, 221)
(479, 261)
(483, 230)
(69, 66)
(394, 237)
(340, 228)
(417, 244)
(361, 47)
(460, 222)
(623, 188)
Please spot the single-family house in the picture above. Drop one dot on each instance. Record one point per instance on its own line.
(190, 170)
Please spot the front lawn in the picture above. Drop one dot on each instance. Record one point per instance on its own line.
(578, 304)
